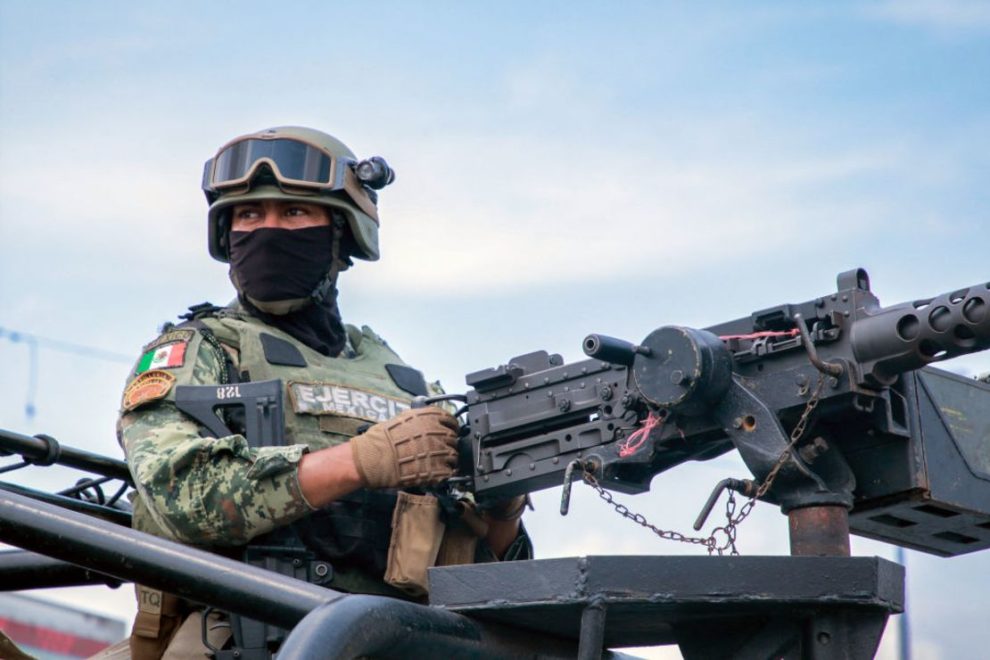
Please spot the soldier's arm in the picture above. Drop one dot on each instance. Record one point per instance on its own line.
(501, 535)
(328, 474)
(505, 541)
(216, 491)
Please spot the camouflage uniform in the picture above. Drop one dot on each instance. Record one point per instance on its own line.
(221, 492)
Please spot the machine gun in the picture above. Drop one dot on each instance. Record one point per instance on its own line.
(829, 403)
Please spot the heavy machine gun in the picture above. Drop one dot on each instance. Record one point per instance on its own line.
(830, 403)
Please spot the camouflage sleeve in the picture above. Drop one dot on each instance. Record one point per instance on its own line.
(208, 491)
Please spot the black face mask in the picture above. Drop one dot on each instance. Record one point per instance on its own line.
(277, 265)
(280, 264)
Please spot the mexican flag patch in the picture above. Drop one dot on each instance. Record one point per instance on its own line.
(169, 356)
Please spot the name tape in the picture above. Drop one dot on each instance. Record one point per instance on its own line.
(328, 399)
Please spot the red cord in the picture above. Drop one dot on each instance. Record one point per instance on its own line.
(631, 445)
(793, 332)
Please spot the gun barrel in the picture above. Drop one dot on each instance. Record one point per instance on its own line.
(893, 340)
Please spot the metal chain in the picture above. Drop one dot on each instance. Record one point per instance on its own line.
(639, 519)
(733, 519)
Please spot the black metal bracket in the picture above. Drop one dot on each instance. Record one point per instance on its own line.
(261, 403)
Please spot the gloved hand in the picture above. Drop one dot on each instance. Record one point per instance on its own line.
(414, 448)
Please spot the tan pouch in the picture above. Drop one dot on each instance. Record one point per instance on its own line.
(460, 542)
(187, 642)
(159, 615)
(416, 535)
(458, 547)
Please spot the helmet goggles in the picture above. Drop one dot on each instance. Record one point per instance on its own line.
(299, 167)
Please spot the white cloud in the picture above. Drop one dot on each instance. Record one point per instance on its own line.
(941, 15)
(478, 209)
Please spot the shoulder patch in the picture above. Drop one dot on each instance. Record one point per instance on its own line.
(408, 379)
(149, 386)
(279, 351)
(169, 355)
(170, 336)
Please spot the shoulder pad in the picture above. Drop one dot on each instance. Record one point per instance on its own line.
(353, 335)
(368, 333)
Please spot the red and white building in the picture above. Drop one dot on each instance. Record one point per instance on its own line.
(52, 631)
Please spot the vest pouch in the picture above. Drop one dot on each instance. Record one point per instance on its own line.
(459, 547)
(416, 535)
(460, 539)
(159, 616)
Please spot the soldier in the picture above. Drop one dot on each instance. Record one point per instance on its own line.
(289, 209)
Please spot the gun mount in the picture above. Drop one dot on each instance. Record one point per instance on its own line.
(903, 446)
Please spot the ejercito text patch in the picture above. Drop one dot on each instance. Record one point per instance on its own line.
(330, 399)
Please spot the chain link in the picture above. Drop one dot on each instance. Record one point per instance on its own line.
(722, 538)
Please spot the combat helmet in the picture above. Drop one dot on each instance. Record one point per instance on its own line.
(293, 163)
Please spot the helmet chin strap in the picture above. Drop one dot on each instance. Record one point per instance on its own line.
(325, 290)
(328, 286)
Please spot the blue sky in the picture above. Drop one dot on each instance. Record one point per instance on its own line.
(563, 168)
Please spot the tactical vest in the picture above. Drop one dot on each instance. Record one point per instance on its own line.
(327, 401)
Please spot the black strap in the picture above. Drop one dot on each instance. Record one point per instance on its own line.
(328, 286)
(228, 373)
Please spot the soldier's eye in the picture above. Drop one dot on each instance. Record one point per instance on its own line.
(298, 211)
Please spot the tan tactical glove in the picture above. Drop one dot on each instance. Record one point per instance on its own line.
(414, 448)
